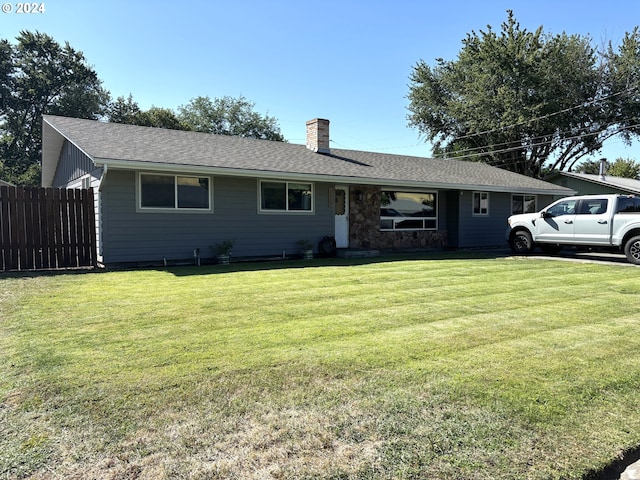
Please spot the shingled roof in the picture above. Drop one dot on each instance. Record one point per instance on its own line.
(630, 185)
(134, 147)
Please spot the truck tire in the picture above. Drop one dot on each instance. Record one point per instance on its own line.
(632, 250)
(521, 242)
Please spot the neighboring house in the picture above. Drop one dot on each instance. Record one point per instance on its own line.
(586, 184)
(161, 194)
(5, 184)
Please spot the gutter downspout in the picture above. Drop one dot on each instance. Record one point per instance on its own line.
(98, 200)
(105, 168)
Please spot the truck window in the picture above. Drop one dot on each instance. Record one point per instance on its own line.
(567, 207)
(593, 206)
(628, 205)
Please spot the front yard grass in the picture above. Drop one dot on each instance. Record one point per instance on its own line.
(410, 368)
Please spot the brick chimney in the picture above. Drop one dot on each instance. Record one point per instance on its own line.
(318, 135)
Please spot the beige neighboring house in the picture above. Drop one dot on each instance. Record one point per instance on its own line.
(5, 184)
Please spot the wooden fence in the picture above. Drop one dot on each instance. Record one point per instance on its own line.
(46, 228)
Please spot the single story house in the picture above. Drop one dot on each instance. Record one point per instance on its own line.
(590, 184)
(163, 194)
(5, 184)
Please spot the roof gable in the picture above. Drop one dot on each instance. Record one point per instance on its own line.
(130, 146)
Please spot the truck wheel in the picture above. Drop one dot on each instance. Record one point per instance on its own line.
(521, 242)
(632, 250)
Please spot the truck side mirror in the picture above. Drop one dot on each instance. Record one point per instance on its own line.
(546, 215)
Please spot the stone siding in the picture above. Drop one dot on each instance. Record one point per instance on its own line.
(364, 226)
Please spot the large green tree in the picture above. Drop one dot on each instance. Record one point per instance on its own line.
(39, 76)
(525, 100)
(621, 167)
(228, 116)
(126, 110)
(625, 168)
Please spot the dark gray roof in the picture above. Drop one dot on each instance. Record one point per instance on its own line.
(129, 146)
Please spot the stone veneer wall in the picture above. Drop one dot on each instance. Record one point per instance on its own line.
(364, 226)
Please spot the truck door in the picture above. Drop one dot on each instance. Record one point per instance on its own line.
(557, 224)
(592, 223)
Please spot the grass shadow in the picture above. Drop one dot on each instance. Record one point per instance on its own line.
(257, 264)
(613, 470)
(273, 264)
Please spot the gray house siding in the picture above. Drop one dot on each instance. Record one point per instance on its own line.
(72, 165)
(134, 236)
(485, 231)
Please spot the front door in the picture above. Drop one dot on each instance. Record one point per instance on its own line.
(342, 216)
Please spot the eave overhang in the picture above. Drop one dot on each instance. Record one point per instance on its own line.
(250, 173)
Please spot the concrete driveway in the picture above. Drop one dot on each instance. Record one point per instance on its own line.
(572, 255)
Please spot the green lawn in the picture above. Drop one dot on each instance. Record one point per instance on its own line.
(437, 367)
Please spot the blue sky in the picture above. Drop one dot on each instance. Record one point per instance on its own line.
(345, 60)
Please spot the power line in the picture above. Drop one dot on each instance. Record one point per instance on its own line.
(544, 117)
(534, 140)
(514, 162)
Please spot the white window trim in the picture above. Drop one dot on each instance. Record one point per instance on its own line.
(141, 209)
(535, 209)
(400, 219)
(396, 219)
(269, 211)
(473, 202)
(86, 181)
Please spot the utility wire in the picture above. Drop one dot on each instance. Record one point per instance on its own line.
(534, 141)
(524, 122)
(514, 162)
(544, 117)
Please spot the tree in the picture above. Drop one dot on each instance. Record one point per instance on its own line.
(591, 167)
(228, 116)
(625, 168)
(39, 76)
(622, 87)
(621, 167)
(527, 101)
(123, 110)
(129, 112)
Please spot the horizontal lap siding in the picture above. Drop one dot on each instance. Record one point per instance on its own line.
(484, 231)
(131, 236)
(488, 231)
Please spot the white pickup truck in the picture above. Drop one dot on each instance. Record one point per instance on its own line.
(597, 221)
